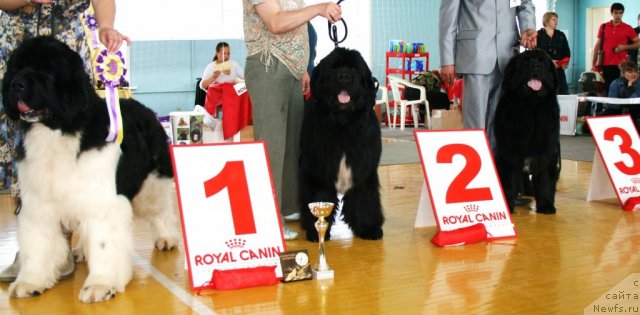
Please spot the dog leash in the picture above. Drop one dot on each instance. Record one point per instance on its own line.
(333, 30)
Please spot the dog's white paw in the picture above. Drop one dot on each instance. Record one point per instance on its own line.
(78, 254)
(165, 244)
(97, 293)
(23, 290)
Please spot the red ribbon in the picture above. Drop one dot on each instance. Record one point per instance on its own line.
(466, 235)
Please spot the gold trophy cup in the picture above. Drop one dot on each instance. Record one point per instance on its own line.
(321, 210)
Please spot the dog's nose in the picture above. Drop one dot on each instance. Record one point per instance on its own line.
(344, 77)
(537, 66)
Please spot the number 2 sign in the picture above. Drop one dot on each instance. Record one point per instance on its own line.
(462, 182)
(618, 146)
(230, 220)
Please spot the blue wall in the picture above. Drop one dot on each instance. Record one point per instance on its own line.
(164, 72)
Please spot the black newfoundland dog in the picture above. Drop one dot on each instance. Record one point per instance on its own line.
(341, 145)
(72, 179)
(527, 126)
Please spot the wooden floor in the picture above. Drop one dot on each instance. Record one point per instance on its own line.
(559, 264)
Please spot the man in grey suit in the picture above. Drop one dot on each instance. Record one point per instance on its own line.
(477, 39)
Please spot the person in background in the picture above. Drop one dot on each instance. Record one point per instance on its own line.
(555, 44)
(477, 41)
(313, 41)
(619, 37)
(276, 76)
(24, 19)
(627, 86)
(221, 69)
(633, 54)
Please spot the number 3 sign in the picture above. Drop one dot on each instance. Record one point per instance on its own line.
(229, 220)
(618, 147)
(463, 187)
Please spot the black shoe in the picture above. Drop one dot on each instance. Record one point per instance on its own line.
(522, 201)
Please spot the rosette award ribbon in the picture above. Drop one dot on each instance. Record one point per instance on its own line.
(92, 24)
(110, 71)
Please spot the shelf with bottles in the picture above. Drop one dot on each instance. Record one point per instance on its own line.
(411, 64)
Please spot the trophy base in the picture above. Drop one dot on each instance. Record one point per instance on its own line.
(320, 275)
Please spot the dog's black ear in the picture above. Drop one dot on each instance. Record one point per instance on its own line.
(315, 74)
(74, 90)
(369, 81)
(10, 109)
(510, 73)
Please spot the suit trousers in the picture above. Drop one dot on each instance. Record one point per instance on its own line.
(278, 108)
(481, 96)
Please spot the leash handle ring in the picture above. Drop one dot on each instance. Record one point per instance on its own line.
(333, 30)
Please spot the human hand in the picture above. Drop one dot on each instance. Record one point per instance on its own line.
(529, 39)
(619, 48)
(330, 11)
(39, 1)
(216, 74)
(112, 39)
(306, 83)
(448, 73)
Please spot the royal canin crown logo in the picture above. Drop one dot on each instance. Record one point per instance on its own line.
(471, 208)
(235, 243)
(635, 180)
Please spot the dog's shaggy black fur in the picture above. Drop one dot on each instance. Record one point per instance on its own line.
(527, 126)
(73, 179)
(341, 145)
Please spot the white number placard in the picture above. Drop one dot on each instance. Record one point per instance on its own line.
(462, 181)
(230, 219)
(618, 145)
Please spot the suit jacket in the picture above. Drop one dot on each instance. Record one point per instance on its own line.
(474, 34)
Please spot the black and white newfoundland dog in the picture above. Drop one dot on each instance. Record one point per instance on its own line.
(341, 146)
(527, 126)
(72, 179)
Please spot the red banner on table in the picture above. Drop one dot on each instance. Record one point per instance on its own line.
(236, 109)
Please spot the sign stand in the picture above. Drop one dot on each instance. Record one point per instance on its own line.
(616, 163)
(229, 214)
(600, 185)
(424, 216)
(461, 187)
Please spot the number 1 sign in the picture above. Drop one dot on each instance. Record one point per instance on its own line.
(229, 220)
(462, 181)
(618, 145)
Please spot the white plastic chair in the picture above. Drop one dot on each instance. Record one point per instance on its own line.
(384, 99)
(396, 83)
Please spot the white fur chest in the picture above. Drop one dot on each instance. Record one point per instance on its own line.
(344, 179)
(53, 165)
